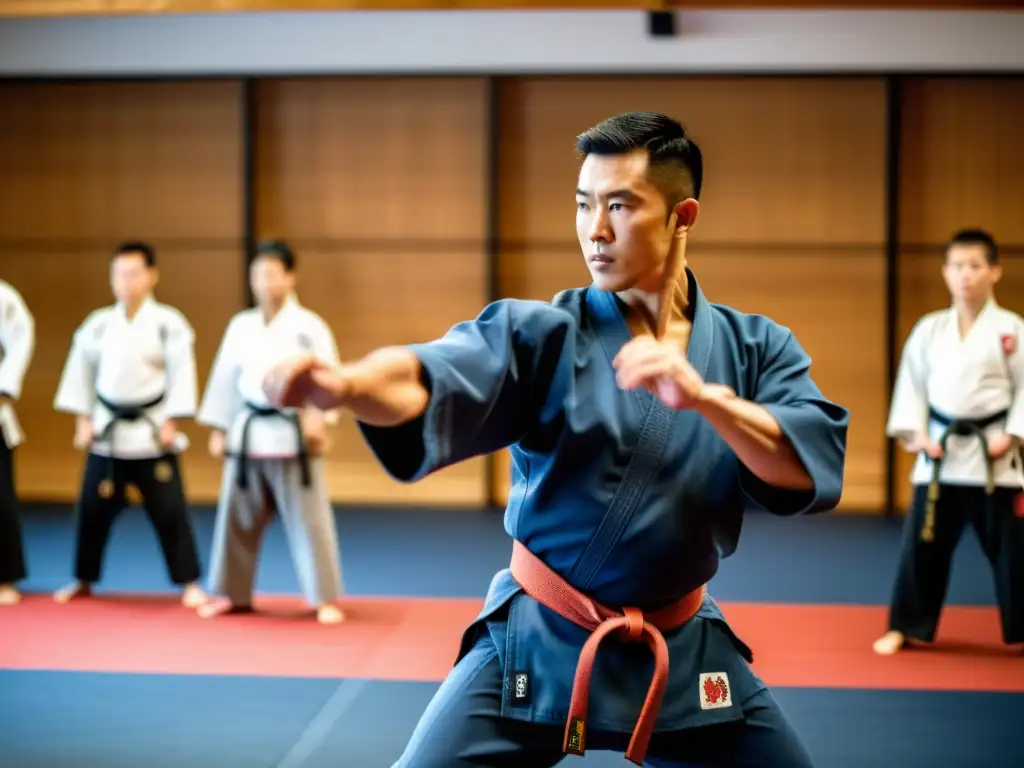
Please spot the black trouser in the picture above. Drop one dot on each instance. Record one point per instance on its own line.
(923, 574)
(12, 553)
(159, 483)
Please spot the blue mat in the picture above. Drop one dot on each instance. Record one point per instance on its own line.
(86, 720)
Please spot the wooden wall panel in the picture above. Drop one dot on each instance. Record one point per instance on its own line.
(962, 165)
(962, 159)
(792, 221)
(84, 166)
(380, 185)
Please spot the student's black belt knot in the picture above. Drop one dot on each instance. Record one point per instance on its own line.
(124, 412)
(266, 412)
(961, 427)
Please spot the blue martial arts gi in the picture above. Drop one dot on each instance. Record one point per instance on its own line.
(631, 502)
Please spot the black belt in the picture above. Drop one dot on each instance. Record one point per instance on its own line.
(961, 428)
(264, 412)
(126, 412)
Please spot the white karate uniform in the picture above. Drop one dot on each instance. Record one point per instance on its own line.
(17, 345)
(130, 361)
(249, 349)
(970, 378)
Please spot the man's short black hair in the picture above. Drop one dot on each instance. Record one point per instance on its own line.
(978, 237)
(276, 249)
(676, 165)
(140, 247)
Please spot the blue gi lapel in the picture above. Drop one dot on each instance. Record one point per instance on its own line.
(702, 334)
(652, 444)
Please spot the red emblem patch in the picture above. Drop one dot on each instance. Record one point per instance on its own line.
(1009, 342)
(716, 690)
(1018, 505)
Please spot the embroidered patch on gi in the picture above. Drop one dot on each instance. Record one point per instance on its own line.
(1018, 505)
(163, 471)
(106, 489)
(1009, 342)
(521, 687)
(714, 690)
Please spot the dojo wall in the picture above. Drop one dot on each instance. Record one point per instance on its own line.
(413, 200)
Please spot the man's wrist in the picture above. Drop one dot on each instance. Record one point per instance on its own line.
(713, 399)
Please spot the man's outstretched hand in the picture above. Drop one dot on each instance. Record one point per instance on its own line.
(383, 388)
(306, 380)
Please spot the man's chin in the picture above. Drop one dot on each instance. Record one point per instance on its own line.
(612, 283)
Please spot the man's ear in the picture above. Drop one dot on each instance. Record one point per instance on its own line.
(686, 213)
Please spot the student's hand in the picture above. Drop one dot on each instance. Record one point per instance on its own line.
(922, 443)
(999, 446)
(168, 433)
(216, 444)
(314, 430)
(84, 433)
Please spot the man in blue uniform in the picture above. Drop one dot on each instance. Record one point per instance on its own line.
(641, 419)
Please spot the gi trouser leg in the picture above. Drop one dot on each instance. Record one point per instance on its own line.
(923, 573)
(12, 552)
(1001, 533)
(308, 521)
(163, 496)
(242, 516)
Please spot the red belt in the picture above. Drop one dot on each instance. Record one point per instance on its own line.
(551, 590)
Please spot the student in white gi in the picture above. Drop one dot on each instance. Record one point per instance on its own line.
(17, 344)
(273, 459)
(958, 404)
(129, 377)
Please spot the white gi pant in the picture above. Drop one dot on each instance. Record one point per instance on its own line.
(307, 518)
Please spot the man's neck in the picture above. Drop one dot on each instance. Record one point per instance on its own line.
(971, 307)
(671, 298)
(132, 307)
(967, 311)
(270, 309)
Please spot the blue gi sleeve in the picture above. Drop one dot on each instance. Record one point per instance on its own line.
(488, 380)
(814, 426)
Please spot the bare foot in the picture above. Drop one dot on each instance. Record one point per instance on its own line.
(221, 608)
(9, 594)
(330, 614)
(193, 596)
(73, 590)
(889, 643)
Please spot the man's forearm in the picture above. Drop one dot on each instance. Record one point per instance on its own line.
(757, 439)
(384, 389)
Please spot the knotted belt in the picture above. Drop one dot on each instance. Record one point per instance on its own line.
(265, 412)
(552, 591)
(961, 428)
(124, 412)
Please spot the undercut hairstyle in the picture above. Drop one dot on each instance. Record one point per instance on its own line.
(137, 248)
(675, 163)
(978, 237)
(276, 249)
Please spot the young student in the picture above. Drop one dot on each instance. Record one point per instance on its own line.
(958, 403)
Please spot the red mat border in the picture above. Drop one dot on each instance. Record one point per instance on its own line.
(415, 639)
